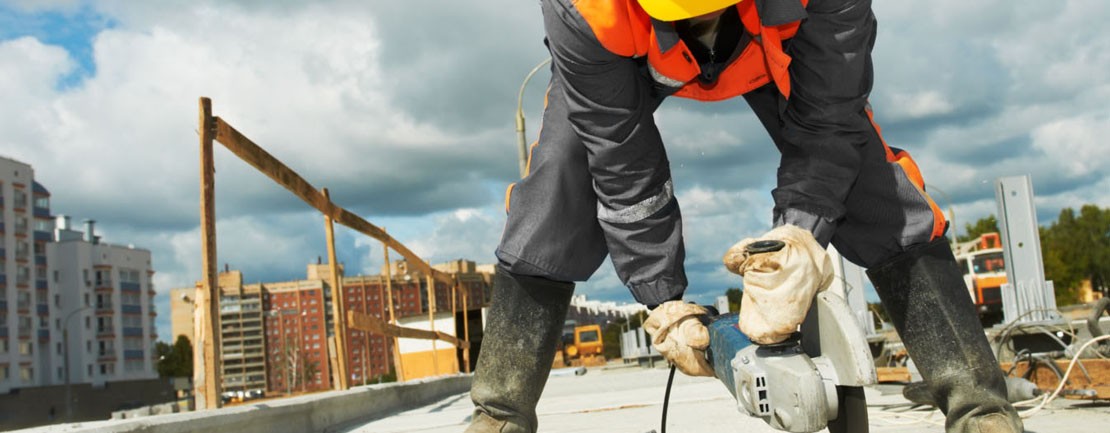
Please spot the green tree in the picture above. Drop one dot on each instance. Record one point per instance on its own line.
(982, 226)
(734, 296)
(1076, 248)
(175, 360)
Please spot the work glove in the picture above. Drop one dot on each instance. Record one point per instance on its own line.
(779, 285)
(678, 334)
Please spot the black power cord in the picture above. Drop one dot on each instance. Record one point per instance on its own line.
(666, 401)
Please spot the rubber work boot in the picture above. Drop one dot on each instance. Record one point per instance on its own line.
(924, 294)
(524, 325)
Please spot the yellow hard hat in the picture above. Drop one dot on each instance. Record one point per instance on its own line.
(674, 10)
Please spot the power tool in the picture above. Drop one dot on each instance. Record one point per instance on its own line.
(812, 380)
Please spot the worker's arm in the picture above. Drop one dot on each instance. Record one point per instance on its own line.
(824, 124)
(609, 104)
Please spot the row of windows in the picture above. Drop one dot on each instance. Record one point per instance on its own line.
(26, 374)
(26, 348)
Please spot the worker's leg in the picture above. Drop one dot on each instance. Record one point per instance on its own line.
(894, 229)
(551, 238)
(891, 226)
(524, 324)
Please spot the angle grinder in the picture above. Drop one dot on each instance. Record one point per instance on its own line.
(811, 381)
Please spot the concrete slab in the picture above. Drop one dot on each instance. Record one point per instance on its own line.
(630, 400)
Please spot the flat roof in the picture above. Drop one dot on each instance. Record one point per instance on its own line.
(631, 400)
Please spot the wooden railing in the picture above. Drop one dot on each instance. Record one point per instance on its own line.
(206, 376)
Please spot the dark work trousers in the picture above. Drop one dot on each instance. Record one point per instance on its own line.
(599, 181)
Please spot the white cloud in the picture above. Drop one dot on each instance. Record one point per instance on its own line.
(404, 111)
(920, 104)
(1077, 144)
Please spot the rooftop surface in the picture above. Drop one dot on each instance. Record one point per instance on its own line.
(631, 400)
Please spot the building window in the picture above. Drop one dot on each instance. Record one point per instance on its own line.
(26, 374)
(25, 348)
(3, 372)
(3, 346)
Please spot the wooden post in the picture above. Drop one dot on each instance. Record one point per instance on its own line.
(398, 365)
(432, 320)
(455, 311)
(206, 356)
(466, 329)
(339, 313)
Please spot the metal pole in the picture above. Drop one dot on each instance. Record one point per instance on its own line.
(65, 360)
(206, 371)
(521, 140)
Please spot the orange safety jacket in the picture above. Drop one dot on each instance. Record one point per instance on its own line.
(626, 30)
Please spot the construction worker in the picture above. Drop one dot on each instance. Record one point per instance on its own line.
(599, 183)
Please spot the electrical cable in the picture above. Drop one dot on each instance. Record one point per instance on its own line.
(666, 400)
(1060, 386)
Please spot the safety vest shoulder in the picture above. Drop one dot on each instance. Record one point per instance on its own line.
(626, 30)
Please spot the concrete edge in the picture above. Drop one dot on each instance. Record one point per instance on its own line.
(322, 412)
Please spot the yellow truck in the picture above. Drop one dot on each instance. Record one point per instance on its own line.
(579, 346)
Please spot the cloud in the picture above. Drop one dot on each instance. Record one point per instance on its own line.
(404, 111)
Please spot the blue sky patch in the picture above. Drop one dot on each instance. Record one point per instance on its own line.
(73, 30)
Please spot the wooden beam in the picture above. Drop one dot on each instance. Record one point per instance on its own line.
(206, 372)
(364, 322)
(338, 303)
(466, 330)
(261, 160)
(398, 364)
(432, 321)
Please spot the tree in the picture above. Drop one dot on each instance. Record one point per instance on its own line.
(982, 226)
(175, 360)
(734, 296)
(1076, 248)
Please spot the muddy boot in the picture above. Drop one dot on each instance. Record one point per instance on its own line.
(525, 322)
(924, 294)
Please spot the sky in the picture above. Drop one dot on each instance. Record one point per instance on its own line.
(404, 110)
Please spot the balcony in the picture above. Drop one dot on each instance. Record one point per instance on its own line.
(128, 287)
(44, 334)
(41, 212)
(40, 260)
(23, 306)
(24, 332)
(3, 305)
(42, 309)
(104, 282)
(106, 332)
(132, 309)
(3, 331)
(132, 354)
(132, 332)
(104, 307)
(106, 355)
(41, 285)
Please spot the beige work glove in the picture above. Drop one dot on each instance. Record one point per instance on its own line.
(680, 337)
(780, 285)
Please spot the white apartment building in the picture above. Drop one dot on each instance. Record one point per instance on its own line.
(108, 291)
(26, 309)
(51, 280)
